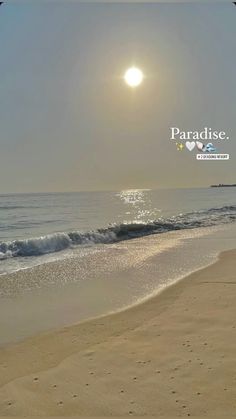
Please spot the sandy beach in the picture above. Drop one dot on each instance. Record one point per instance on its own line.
(172, 355)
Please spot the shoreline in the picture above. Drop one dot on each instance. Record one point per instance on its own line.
(128, 277)
(139, 302)
(69, 371)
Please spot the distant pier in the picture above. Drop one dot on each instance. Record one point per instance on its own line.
(222, 185)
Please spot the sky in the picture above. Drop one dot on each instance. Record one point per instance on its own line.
(68, 122)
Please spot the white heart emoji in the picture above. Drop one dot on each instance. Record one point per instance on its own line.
(190, 145)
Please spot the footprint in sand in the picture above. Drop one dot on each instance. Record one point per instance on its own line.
(89, 354)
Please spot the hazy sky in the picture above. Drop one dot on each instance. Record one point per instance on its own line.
(67, 120)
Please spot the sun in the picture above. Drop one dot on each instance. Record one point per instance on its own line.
(133, 76)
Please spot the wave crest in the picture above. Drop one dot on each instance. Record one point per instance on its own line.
(60, 241)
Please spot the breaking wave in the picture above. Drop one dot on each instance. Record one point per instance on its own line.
(60, 241)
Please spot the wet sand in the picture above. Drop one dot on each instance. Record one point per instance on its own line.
(172, 355)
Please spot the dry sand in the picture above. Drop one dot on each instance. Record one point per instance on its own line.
(172, 355)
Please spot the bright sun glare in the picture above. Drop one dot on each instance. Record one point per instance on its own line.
(133, 76)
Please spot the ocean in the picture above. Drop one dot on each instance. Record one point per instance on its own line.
(33, 225)
(66, 257)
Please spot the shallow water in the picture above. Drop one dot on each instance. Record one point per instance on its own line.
(109, 279)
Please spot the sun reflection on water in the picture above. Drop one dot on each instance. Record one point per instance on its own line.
(139, 206)
(132, 196)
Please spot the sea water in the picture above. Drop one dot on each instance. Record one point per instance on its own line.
(68, 257)
(33, 225)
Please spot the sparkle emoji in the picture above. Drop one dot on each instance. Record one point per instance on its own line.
(179, 146)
